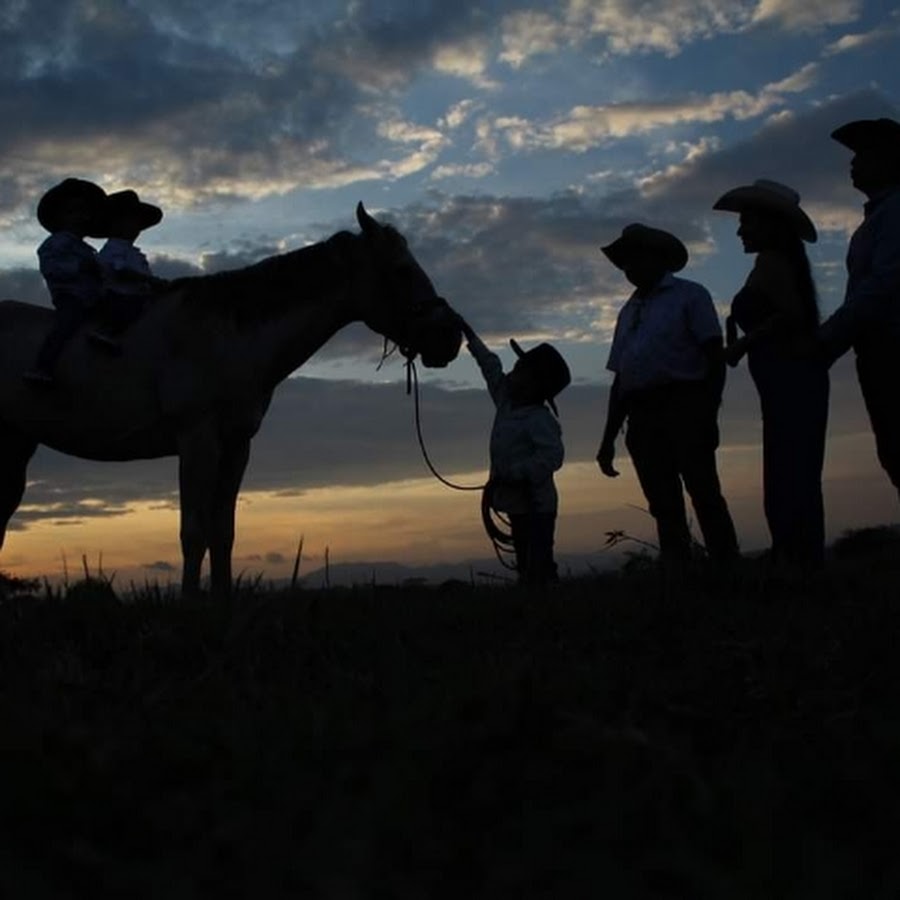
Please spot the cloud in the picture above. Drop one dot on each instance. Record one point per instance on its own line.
(195, 108)
(852, 42)
(626, 27)
(794, 149)
(160, 566)
(800, 16)
(586, 127)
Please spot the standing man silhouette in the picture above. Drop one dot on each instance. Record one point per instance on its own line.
(869, 318)
(669, 374)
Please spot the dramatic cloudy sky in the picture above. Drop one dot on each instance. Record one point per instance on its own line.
(508, 139)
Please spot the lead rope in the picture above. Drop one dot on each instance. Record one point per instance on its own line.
(495, 523)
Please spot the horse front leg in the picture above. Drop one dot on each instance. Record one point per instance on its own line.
(198, 463)
(15, 453)
(232, 465)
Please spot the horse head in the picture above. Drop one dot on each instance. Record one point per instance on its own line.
(405, 307)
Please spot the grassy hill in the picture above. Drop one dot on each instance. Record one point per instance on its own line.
(725, 735)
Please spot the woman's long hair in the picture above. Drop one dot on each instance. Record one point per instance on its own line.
(785, 240)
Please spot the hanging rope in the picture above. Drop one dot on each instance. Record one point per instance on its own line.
(495, 523)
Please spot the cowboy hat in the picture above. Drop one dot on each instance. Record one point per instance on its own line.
(57, 198)
(643, 239)
(870, 135)
(127, 203)
(770, 197)
(548, 366)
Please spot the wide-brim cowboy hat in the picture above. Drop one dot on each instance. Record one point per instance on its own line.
(551, 370)
(880, 136)
(773, 198)
(121, 204)
(637, 239)
(58, 198)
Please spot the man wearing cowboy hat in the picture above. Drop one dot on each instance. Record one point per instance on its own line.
(869, 318)
(526, 448)
(669, 374)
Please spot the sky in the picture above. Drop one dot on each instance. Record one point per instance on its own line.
(508, 140)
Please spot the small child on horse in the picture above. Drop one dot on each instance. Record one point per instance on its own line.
(82, 283)
(526, 448)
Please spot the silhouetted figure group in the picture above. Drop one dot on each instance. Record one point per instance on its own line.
(108, 287)
(669, 363)
(667, 356)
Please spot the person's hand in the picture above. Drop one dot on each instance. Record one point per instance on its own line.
(731, 334)
(460, 322)
(605, 456)
(734, 352)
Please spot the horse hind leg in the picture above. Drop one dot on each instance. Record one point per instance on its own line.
(15, 454)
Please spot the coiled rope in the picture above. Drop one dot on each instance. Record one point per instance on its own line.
(496, 524)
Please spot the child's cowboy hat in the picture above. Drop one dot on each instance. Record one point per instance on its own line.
(647, 241)
(58, 198)
(881, 136)
(770, 197)
(127, 203)
(550, 368)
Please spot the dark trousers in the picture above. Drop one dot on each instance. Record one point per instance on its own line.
(878, 369)
(532, 535)
(70, 314)
(113, 312)
(793, 394)
(672, 438)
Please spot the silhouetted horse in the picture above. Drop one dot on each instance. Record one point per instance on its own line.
(197, 371)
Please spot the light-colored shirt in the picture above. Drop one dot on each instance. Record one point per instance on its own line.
(871, 306)
(526, 444)
(659, 337)
(70, 268)
(120, 261)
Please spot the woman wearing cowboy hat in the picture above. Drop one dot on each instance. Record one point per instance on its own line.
(777, 312)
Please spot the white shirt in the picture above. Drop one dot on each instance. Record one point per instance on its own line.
(118, 257)
(526, 444)
(69, 266)
(659, 337)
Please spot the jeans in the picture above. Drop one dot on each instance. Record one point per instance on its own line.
(672, 437)
(793, 394)
(532, 535)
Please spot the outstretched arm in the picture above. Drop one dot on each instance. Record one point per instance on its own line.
(488, 362)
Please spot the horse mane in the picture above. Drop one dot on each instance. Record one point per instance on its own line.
(265, 288)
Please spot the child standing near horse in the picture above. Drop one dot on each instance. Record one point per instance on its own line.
(526, 448)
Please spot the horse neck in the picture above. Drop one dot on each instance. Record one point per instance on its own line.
(286, 308)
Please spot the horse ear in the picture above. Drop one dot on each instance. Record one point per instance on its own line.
(366, 222)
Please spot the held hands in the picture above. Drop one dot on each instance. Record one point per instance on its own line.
(605, 456)
(735, 347)
(734, 352)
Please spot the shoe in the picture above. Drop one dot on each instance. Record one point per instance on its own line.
(99, 339)
(39, 377)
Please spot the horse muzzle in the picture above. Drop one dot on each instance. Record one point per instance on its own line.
(436, 337)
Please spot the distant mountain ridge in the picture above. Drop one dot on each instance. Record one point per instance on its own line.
(481, 571)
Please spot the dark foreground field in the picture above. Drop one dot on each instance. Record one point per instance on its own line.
(731, 736)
